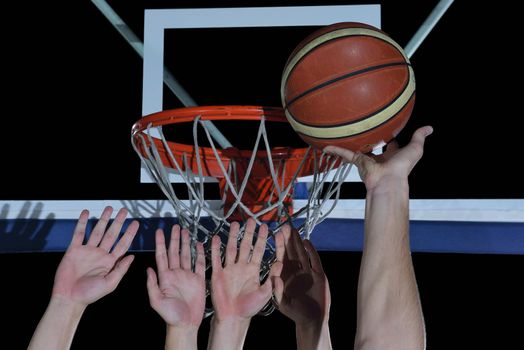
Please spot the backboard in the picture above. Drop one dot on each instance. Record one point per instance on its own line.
(69, 147)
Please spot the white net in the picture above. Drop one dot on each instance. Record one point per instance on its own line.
(204, 220)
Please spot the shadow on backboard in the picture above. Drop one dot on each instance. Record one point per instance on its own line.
(155, 214)
(27, 232)
(151, 215)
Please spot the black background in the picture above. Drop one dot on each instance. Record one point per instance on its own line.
(71, 70)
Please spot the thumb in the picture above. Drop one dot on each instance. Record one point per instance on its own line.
(356, 158)
(346, 154)
(276, 269)
(314, 258)
(266, 290)
(153, 290)
(118, 272)
(267, 286)
(278, 284)
(278, 289)
(420, 135)
(255, 301)
(415, 148)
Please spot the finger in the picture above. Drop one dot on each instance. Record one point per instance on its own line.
(280, 248)
(118, 272)
(125, 241)
(356, 158)
(80, 229)
(160, 251)
(216, 262)
(153, 290)
(416, 145)
(299, 247)
(113, 231)
(314, 258)
(290, 251)
(174, 248)
(265, 291)
(346, 154)
(278, 289)
(100, 227)
(231, 249)
(261, 296)
(421, 133)
(276, 269)
(247, 241)
(200, 265)
(185, 253)
(260, 245)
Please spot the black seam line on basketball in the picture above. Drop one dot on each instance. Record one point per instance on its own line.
(402, 54)
(341, 38)
(406, 85)
(393, 100)
(345, 76)
(362, 132)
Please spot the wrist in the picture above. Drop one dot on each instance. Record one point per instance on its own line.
(181, 337)
(66, 305)
(232, 322)
(313, 326)
(189, 330)
(58, 325)
(228, 333)
(313, 336)
(236, 327)
(390, 184)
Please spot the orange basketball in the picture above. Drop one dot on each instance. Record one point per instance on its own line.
(349, 85)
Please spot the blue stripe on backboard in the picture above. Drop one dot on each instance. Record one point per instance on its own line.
(430, 236)
(33, 235)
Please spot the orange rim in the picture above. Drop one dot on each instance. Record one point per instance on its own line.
(292, 156)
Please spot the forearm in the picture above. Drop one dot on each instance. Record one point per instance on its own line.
(181, 338)
(58, 325)
(227, 334)
(313, 337)
(388, 307)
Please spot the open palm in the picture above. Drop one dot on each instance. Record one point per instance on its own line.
(179, 298)
(236, 288)
(89, 272)
(304, 295)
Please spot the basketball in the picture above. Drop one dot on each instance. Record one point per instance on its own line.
(348, 85)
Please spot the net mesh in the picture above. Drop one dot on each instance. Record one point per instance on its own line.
(204, 220)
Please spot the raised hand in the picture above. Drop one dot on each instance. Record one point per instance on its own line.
(389, 313)
(180, 297)
(236, 291)
(90, 271)
(394, 163)
(303, 295)
(86, 273)
(302, 292)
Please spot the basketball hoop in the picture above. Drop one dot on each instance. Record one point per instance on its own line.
(255, 183)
